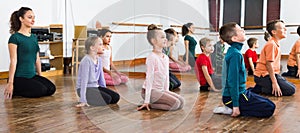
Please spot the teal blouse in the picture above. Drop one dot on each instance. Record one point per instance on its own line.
(27, 48)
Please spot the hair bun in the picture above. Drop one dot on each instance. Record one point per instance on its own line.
(152, 27)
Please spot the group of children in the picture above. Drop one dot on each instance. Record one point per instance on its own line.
(236, 98)
(97, 71)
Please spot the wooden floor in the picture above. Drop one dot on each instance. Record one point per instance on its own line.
(57, 113)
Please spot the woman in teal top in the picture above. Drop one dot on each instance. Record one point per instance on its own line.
(190, 44)
(25, 67)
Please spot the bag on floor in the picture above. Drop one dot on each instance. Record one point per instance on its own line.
(174, 82)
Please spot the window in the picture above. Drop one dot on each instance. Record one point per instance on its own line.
(232, 11)
(251, 14)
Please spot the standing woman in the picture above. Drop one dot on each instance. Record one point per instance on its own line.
(155, 90)
(25, 67)
(190, 44)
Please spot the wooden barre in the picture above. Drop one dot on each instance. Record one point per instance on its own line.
(293, 32)
(128, 32)
(196, 27)
(254, 27)
(292, 25)
(134, 24)
(136, 32)
(261, 26)
(257, 33)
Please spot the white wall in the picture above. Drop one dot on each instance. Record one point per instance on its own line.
(166, 12)
(290, 16)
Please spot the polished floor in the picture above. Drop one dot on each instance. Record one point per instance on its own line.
(57, 113)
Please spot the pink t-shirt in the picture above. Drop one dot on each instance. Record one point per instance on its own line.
(157, 74)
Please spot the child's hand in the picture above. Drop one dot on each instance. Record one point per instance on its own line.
(82, 105)
(114, 75)
(145, 105)
(8, 91)
(214, 89)
(235, 112)
(276, 90)
(298, 73)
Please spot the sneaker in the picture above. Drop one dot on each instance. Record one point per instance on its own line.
(223, 110)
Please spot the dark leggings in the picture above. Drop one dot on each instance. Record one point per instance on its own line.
(265, 84)
(217, 80)
(292, 71)
(192, 59)
(34, 87)
(251, 104)
(250, 72)
(100, 96)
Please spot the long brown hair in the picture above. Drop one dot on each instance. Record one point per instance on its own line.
(185, 28)
(15, 23)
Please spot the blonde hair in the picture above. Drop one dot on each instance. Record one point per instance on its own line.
(152, 28)
(203, 42)
(91, 41)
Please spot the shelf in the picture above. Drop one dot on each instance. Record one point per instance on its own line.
(52, 73)
(47, 57)
(58, 26)
(56, 49)
(50, 42)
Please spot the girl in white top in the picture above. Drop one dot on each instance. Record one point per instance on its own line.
(111, 74)
(155, 90)
(176, 64)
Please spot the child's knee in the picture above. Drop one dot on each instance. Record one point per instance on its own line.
(177, 105)
(290, 91)
(271, 110)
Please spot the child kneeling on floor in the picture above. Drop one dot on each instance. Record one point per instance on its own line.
(235, 96)
(91, 87)
(155, 91)
(203, 67)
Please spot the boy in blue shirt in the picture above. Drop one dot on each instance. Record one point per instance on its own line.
(235, 95)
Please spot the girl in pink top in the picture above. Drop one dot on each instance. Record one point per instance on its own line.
(111, 74)
(155, 90)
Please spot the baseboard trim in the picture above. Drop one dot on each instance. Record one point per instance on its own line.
(4, 75)
(131, 63)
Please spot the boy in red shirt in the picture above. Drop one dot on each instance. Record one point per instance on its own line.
(250, 56)
(203, 67)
